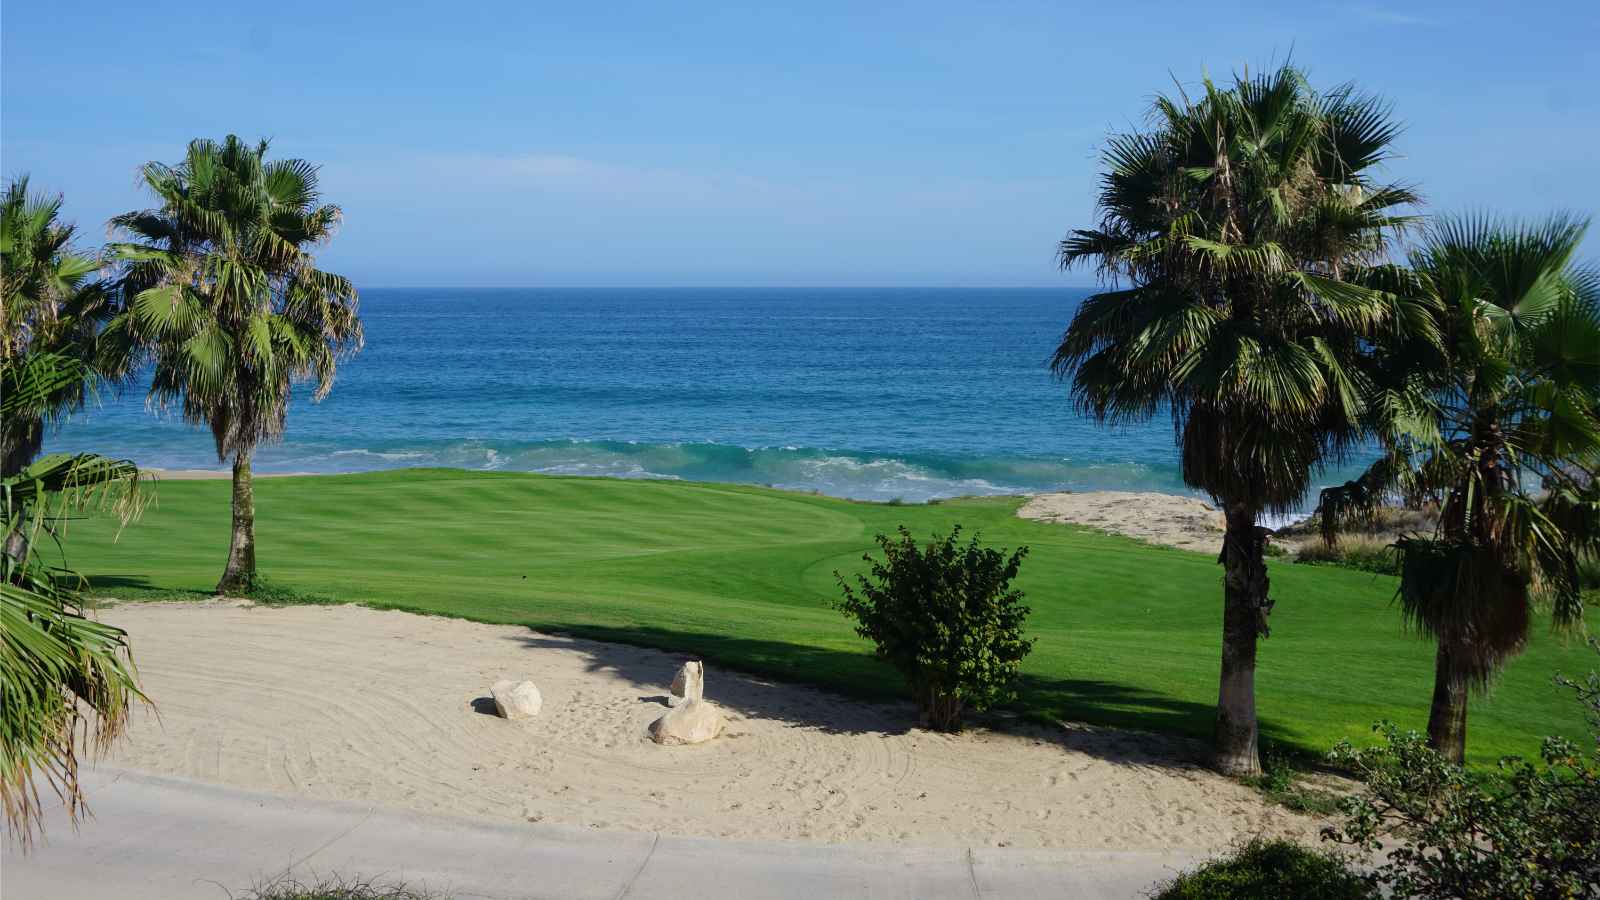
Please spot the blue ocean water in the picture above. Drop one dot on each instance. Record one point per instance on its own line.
(862, 393)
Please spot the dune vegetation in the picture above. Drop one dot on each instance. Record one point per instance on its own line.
(1127, 633)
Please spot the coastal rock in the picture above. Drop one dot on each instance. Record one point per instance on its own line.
(516, 699)
(695, 722)
(688, 684)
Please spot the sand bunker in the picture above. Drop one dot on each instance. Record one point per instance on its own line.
(1182, 522)
(349, 703)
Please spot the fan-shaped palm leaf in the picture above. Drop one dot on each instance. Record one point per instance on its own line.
(1515, 451)
(1244, 221)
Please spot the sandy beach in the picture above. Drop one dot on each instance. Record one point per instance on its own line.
(1167, 519)
(351, 703)
(211, 474)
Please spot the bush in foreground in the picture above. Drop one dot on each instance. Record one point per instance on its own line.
(1528, 830)
(946, 617)
(336, 889)
(1270, 870)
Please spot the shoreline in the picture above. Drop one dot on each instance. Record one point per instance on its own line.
(1168, 520)
(222, 474)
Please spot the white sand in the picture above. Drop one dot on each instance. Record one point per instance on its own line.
(210, 474)
(356, 704)
(1183, 522)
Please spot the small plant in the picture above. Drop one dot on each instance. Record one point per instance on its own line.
(270, 593)
(1527, 830)
(1271, 870)
(1279, 782)
(946, 617)
(335, 889)
(1369, 554)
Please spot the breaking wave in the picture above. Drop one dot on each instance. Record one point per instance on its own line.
(839, 473)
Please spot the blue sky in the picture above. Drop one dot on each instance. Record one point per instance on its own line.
(819, 143)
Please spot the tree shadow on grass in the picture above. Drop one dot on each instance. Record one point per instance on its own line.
(856, 693)
(138, 587)
(1087, 707)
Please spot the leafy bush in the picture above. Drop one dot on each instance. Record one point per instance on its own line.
(944, 616)
(1369, 554)
(1271, 870)
(1528, 830)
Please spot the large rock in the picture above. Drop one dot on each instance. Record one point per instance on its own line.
(688, 684)
(516, 699)
(695, 722)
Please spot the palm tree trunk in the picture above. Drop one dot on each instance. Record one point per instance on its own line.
(241, 571)
(20, 443)
(1244, 619)
(1447, 720)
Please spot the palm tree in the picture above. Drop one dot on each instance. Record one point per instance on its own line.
(51, 309)
(1513, 450)
(222, 292)
(1232, 233)
(59, 669)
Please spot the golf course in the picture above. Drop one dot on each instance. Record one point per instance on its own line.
(1126, 633)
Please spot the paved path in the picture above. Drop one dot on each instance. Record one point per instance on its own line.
(172, 839)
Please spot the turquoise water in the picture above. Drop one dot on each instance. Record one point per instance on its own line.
(862, 393)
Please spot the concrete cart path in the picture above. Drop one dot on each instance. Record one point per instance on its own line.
(172, 839)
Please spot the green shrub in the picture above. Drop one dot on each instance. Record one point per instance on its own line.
(946, 618)
(1369, 554)
(1271, 870)
(1528, 830)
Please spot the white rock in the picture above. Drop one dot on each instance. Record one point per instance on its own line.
(695, 722)
(516, 699)
(688, 684)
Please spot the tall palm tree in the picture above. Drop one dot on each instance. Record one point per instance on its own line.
(223, 293)
(51, 309)
(1231, 233)
(59, 669)
(1513, 451)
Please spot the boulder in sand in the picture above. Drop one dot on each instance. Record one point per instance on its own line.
(695, 722)
(688, 684)
(516, 699)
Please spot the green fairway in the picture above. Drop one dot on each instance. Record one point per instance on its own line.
(1128, 634)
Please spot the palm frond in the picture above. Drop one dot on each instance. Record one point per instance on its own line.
(223, 294)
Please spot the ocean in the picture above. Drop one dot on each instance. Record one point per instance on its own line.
(876, 394)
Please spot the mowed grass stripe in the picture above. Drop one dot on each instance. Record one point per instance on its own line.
(1128, 634)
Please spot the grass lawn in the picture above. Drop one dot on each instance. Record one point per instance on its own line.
(1128, 634)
